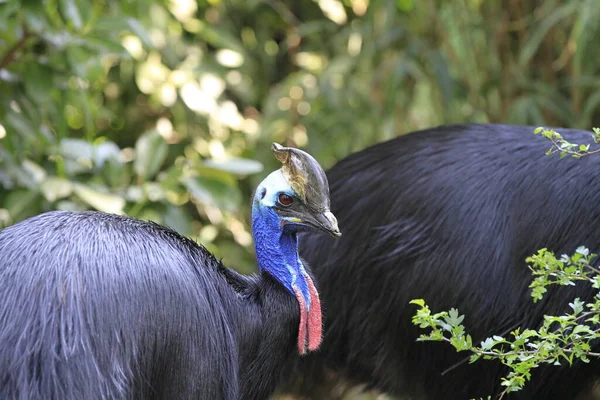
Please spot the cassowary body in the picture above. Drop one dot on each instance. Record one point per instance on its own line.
(99, 306)
(448, 215)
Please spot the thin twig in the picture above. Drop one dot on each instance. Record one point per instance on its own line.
(571, 152)
(594, 270)
(516, 352)
(466, 359)
(501, 395)
(10, 55)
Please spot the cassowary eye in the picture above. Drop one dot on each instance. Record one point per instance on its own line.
(285, 200)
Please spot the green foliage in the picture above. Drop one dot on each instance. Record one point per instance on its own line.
(565, 148)
(158, 108)
(560, 340)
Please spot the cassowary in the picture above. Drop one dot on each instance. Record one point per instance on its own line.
(99, 306)
(448, 215)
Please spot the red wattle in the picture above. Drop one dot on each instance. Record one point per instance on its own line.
(303, 325)
(315, 326)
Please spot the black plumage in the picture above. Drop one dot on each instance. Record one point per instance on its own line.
(449, 215)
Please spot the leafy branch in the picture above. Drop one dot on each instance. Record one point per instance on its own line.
(561, 339)
(564, 147)
(12, 52)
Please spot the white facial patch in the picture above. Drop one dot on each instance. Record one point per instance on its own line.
(274, 184)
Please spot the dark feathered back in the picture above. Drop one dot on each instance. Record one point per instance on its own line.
(97, 306)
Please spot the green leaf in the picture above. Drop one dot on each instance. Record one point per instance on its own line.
(238, 166)
(140, 31)
(70, 12)
(106, 202)
(21, 126)
(34, 170)
(178, 219)
(85, 63)
(117, 24)
(106, 45)
(34, 15)
(54, 188)
(419, 302)
(115, 172)
(22, 203)
(105, 152)
(577, 306)
(150, 214)
(453, 318)
(39, 83)
(487, 344)
(78, 155)
(214, 191)
(111, 24)
(582, 329)
(220, 38)
(8, 9)
(76, 148)
(150, 153)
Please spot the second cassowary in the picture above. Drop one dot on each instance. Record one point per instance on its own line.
(449, 215)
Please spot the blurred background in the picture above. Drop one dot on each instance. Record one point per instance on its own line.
(165, 110)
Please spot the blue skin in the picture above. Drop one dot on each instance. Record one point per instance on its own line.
(276, 245)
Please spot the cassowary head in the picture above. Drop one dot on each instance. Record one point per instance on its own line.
(293, 198)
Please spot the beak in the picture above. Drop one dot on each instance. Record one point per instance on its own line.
(320, 220)
(327, 222)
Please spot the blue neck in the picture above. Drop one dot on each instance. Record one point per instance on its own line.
(277, 250)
